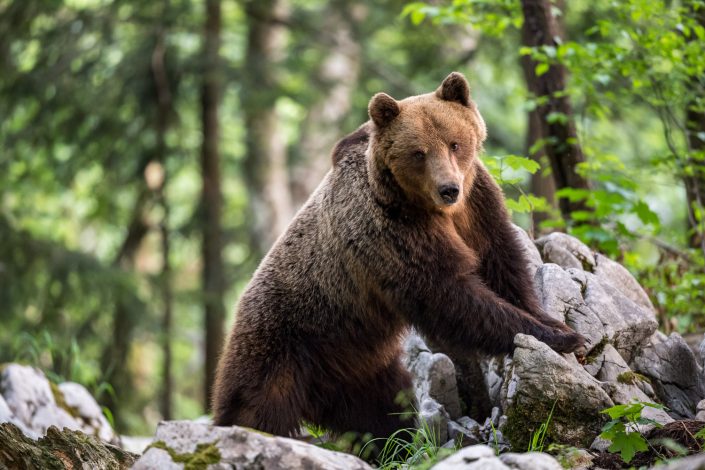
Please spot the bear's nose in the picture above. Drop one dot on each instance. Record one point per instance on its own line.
(449, 193)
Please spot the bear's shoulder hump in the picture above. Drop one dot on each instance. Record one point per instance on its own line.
(351, 146)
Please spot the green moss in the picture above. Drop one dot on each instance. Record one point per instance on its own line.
(204, 455)
(596, 351)
(61, 401)
(632, 378)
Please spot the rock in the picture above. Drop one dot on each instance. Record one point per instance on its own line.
(532, 254)
(614, 274)
(432, 415)
(700, 411)
(37, 404)
(674, 373)
(65, 449)
(530, 461)
(87, 411)
(694, 462)
(566, 251)
(540, 377)
(701, 352)
(463, 436)
(600, 444)
(575, 459)
(135, 444)
(477, 457)
(434, 375)
(625, 324)
(562, 299)
(26, 390)
(235, 447)
(469, 424)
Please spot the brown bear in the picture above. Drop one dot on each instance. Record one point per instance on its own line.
(407, 229)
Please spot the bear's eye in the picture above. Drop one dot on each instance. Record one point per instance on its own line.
(419, 155)
(454, 147)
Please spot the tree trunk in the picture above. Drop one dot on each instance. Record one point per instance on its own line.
(266, 172)
(211, 198)
(695, 179)
(338, 76)
(164, 104)
(555, 115)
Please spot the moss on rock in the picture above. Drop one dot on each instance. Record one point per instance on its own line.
(204, 455)
(632, 378)
(61, 400)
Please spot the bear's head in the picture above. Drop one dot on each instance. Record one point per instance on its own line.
(428, 143)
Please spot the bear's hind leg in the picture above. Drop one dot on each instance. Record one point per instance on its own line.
(274, 408)
(380, 405)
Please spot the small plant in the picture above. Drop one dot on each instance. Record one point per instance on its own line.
(623, 430)
(411, 447)
(538, 437)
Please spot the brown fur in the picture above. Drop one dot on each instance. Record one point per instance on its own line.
(374, 251)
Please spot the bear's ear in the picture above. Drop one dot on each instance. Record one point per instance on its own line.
(383, 109)
(455, 88)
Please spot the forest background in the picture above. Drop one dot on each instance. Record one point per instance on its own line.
(152, 151)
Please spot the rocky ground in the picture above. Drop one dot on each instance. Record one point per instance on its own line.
(486, 405)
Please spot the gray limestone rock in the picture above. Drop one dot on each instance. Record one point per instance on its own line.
(674, 373)
(478, 457)
(625, 323)
(530, 461)
(35, 404)
(532, 254)
(238, 448)
(434, 375)
(540, 377)
(562, 299)
(694, 462)
(613, 274)
(565, 251)
(700, 410)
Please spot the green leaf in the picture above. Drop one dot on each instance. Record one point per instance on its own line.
(645, 214)
(628, 444)
(521, 163)
(541, 69)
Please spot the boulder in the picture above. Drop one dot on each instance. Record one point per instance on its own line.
(435, 386)
(532, 254)
(625, 324)
(562, 299)
(694, 462)
(477, 457)
(187, 444)
(481, 457)
(674, 372)
(530, 461)
(614, 274)
(566, 251)
(540, 380)
(35, 404)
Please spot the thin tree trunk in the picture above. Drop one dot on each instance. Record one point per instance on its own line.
(556, 119)
(211, 198)
(164, 104)
(695, 180)
(338, 76)
(266, 172)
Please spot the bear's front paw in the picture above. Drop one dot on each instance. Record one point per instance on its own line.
(569, 342)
